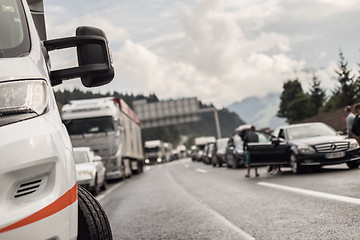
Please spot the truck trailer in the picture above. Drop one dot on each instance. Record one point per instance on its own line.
(111, 129)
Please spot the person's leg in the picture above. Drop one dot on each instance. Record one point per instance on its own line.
(248, 171)
(256, 172)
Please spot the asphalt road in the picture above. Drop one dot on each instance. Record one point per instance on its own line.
(190, 200)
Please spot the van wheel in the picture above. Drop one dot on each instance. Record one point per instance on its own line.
(92, 220)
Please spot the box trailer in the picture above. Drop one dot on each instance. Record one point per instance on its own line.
(111, 129)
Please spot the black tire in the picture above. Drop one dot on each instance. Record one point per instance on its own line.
(95, 191)
(122, 178)
(295, 165)
(235, 164)
(353, 165)
(227, 163)
(92, 220)
(104, 186)
(220, 163)
(213, 161)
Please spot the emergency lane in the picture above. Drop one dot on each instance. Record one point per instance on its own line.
(177, 201)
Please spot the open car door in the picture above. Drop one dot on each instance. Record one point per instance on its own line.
(268, 150)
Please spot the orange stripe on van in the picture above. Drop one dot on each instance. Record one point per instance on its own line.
(64, 201)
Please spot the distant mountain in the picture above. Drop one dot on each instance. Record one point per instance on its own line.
(260, 112)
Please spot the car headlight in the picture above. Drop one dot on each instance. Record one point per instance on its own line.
(353, 144)
(22, 100)
(306, 150)
(239, 151)
(84, 173)
(159, 160)
(147, 161)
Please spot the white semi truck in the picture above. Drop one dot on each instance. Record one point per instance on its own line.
(155, 152)
(111, 129)
(39, 195)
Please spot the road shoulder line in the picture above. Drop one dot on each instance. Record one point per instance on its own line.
(109, 190)
(220, 217)
(312, 193)
(200, 170)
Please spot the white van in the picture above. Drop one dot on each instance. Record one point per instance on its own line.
(39, 197)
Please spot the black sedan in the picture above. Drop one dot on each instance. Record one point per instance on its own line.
(301, 145)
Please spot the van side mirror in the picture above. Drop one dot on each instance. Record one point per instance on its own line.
(95, 66)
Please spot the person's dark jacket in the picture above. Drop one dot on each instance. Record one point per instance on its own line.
(250, 136)
(356, 126)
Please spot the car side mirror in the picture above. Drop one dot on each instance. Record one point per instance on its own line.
(275, 141)
(95, 66)
(97, 158)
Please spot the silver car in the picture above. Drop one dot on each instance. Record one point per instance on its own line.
(90, 170)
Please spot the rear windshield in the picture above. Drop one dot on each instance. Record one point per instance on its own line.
(14, 32)
(81, 157)
(90, 125)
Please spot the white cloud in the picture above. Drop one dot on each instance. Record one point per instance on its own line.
(221, 51)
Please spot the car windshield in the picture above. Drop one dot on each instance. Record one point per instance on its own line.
(90, 125)
(308, 131)
(14, 33)
(81, 157)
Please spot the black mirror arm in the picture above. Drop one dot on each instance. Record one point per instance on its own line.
(58, 76)
(68, 42)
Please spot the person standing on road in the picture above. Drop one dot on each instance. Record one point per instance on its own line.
(356, 125)
(250, 136)
(349, 120)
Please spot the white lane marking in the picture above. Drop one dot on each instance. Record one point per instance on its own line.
(187, 166)
(313, 193)
(244, 235)
(200, 170)
(108, 191)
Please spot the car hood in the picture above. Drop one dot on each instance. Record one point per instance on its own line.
(317, 140)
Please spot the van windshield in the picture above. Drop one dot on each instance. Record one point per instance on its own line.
(90, 125)
(14, 33)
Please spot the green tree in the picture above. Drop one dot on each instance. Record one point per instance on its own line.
(317, 96)
(295, 105)
(347, 93)
(299, 108)
(291, 88)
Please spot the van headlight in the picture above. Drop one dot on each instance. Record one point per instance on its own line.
(353, 144)
(20, 100)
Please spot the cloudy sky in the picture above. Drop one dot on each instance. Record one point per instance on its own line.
(218, 50)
